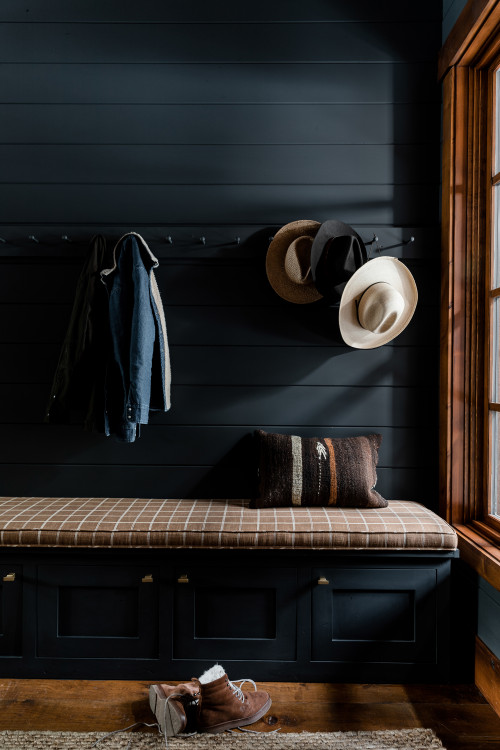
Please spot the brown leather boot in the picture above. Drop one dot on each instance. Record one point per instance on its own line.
(172, 704)
(224, 705)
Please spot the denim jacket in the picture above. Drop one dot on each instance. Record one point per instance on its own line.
(138, 372)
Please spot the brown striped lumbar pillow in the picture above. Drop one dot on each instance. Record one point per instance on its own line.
(317, 471)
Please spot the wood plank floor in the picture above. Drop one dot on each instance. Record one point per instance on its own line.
(458, 713)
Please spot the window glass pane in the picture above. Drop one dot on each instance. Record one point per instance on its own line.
(496, 238)
(495, 463)
(495, 350)
(497, 123)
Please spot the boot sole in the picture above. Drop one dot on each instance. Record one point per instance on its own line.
(170, 719)
(239, 722)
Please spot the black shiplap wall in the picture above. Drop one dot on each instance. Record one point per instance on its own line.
(217, 120)
(451, 12)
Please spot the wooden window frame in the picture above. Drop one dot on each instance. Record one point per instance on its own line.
(464, 68)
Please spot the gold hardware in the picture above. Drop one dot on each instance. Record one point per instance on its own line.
(147, 579)
(323, 581)
(9, 577)
(183, 578)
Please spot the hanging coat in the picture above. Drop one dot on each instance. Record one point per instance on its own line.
(77, 393)
(138, 372)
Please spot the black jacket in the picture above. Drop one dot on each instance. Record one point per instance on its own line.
(77, 393)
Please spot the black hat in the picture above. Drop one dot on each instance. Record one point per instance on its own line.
(336, 254)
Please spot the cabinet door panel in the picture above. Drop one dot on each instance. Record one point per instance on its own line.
(374, 615)
(10, 610)
(228, 613)
(89, 611)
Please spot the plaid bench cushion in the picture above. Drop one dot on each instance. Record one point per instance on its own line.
(215, 524)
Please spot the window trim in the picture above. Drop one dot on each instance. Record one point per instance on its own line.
(474, 25)
(464, 65)
(492, 525)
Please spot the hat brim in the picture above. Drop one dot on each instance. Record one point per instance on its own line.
(391, 271)
(300, 294)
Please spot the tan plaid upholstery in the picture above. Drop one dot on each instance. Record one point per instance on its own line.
(213, 524)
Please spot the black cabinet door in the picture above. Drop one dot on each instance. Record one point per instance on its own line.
(93, 611)
(374, 615)
(11, 626)
(235, 613)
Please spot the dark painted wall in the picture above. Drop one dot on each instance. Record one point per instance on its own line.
(451, 11)
(220, 121)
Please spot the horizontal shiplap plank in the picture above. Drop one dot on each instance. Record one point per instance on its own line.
(385, 366)
(183, 283)
(447, 5)
(220, 165)
(184, 446)
(240, 365)
(233, 405)
(151, 11)
(218, 83)
(451, 12)
(191, 482)
(284, 325)
(199, 42)
(233, 285)
(219, 124)
(275, 204)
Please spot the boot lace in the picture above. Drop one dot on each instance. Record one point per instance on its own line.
(237, 688)
(191, 700)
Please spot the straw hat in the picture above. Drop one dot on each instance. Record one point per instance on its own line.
(337, 252)
(377, 304)
(288, 262)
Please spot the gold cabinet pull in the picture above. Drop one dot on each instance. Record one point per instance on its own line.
(184, 578)
(323, 581)
(147, 579)
(9, 577)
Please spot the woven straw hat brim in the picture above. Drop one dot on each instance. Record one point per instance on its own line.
(391, 271)
(300, 294)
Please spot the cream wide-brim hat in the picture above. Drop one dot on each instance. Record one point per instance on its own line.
(275, 263)
(393, 276)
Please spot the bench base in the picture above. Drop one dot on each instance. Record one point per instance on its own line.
(280, 615)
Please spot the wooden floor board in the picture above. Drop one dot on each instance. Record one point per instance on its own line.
(458, 713)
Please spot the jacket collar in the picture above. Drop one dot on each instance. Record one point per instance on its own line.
(118, 246)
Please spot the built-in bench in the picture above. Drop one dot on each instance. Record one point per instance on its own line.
(156, 589)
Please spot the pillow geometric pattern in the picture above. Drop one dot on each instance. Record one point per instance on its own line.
(295, 471)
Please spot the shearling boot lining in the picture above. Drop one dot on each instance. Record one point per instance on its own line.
(214, 673)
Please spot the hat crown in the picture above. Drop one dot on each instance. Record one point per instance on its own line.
(288, 282)
(298, 260)
(337, 252)
(380, 307)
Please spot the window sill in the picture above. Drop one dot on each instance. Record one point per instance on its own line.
(478, 551)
